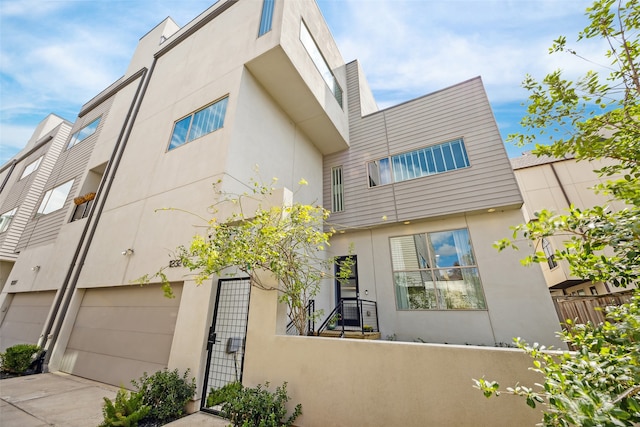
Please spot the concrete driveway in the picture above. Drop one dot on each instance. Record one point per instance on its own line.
(58, 399)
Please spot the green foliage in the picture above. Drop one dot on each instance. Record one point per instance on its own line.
(599, 384)
(166, 393)
(284, 240)
(258, 407)
(16, 359)
(126, 411)
(223, 394)
(601, 121)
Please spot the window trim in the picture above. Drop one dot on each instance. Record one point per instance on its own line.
(191, 116)
(76, 139)
(421, 157)
(10, 214)
(47, 198)
(27, 171)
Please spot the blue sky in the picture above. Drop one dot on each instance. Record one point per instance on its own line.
(57, 54)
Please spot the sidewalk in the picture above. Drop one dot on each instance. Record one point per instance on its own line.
(59, 399)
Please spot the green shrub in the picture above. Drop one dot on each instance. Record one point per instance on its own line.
(223, 394)
(126, 411)
(166, 393)
(16, 359)
(257, 407)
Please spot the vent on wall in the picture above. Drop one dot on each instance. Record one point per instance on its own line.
(13, 282)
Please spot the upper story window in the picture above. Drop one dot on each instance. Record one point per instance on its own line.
(267, 17)
(317, 58)
(416, 164)
(337, 190)
(436, 271)
(31, 168)
(199, 123)
(6, 218)
(549, 254)
(84, 133)
(54, 199)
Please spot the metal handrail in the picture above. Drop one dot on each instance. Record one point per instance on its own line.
(339, 311)
(311, 321)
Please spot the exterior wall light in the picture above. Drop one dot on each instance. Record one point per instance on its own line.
(35, 268)
(127, 252)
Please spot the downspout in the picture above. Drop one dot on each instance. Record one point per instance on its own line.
(63, 299)
(14, 162)
(564, 193)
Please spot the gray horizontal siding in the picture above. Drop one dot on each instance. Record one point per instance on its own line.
(461, 111)
(70, 165)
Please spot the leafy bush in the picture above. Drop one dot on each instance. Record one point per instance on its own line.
(223, 394)
(166, 393)
(126, 411)
(257, 407)
(16, 359)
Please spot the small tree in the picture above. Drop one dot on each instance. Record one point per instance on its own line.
(284, 240)
(599, 384)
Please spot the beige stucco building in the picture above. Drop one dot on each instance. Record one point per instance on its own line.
(418, 193)
(555, 184)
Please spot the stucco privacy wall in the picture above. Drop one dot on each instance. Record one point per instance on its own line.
(342, 382)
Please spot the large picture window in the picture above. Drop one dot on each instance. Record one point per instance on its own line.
(436, 271)
(199, 123)
(54, 199)
(84, 133)
(426, 161)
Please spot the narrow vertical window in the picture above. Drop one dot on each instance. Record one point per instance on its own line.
(337, 190)
(267, 17)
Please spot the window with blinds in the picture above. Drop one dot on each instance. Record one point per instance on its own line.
(337, 190)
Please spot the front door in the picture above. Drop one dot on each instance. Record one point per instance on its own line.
(347, 291)
(227, 336)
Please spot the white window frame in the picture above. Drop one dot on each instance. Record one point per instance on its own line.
(6, 218)
(337, 189)
(31, 167)
(55, 198)
(85, 132)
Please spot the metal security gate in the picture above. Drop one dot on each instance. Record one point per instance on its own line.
(227, 336)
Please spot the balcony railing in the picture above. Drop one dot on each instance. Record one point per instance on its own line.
(353, 315)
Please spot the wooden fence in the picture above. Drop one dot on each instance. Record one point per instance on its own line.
(590, 308)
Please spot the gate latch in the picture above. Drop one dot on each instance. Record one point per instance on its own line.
(211, 339)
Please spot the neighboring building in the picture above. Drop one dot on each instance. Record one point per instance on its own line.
(555, 184)
(419, 193)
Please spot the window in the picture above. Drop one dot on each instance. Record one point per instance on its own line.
(54, 199)
(548, 253)
(322, 66)
(5, 219)
(199, 123)
(31, 167)
(337, 190)
(436, 271)
(267, 17)
(416, 164)
(84, 133)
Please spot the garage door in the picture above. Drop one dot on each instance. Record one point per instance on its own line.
(122, 332)
(25, 318)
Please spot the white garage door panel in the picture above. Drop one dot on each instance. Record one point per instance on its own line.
(122, 332)
(25, 318)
